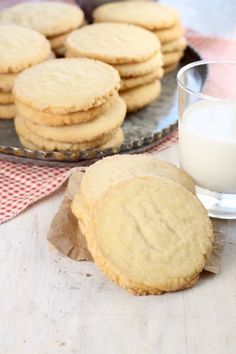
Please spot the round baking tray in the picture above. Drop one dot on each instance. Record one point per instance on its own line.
(142, 129)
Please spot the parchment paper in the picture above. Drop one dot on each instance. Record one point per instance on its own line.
(66, 237)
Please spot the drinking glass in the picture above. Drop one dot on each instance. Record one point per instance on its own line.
(207, 132)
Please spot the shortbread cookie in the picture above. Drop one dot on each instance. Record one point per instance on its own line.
(85, 132)
(58, 41)
(147, 14)
(127, 83)
(6, 98)
(141, 96)
(110, 170)
(161, 239)
(21, 48)
(172, 58)
(169, 68)
(47, 17)
(65, 119)
(66, 85)
(35, 142)
(113, 43)
(7, 111)
(170, 34)
(116, 140)
(175, 45)
(7, 82)
(27, 144)
(139, 69)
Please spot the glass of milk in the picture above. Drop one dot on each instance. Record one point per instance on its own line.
(207, 132)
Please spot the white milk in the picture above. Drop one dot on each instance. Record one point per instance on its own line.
(207, 140)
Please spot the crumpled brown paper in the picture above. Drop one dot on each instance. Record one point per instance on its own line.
(66, 237)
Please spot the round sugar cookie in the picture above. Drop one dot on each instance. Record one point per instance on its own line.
(47, 17)
(17, 51)
(169, 68)
(113, 43)
(7, 111)
(172, 58)
(65, 119)
(128, 83)
(139, 69)
(147, 14)
(113, 169)
(170, 34)
(139, 97)
(35, 142)
(175, 45)
(85, 132)
(6, 98)
(114, 140)
(161, 239)
(66, 85)
(58, 41)
(7, 82)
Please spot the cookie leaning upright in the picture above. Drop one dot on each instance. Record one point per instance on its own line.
(110, 170)
(162, 20)
(68, 104)
(134, 52)
(55, 20)
(17, 54)
(150, 235)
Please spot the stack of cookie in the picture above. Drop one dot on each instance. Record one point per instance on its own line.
(54, 19)
(133, 51)
(17, 54)
(162, 20)
(162, 235)
(69, 104)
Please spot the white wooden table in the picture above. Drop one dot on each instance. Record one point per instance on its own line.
(50, 304)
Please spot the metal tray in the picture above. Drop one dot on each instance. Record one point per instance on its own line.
(142, 129)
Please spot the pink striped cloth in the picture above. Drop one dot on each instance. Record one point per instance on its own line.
(21, 185)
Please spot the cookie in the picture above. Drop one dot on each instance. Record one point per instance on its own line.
(47, 17)
(58, 41)
(6, 98)
(35, 142)
(169, 68)
(118, 167)
(7, 111)
(170, 34)
(116, 140)
(141, 96)
(110, 170)
(85, 132)
(65, 119)
(66, 85)
(172, 58)
(21, 54)
(147, 14)
(161, 239)
(114, 43)
(7, 82)
(139, 69)
(175, 45)
(127, 83)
